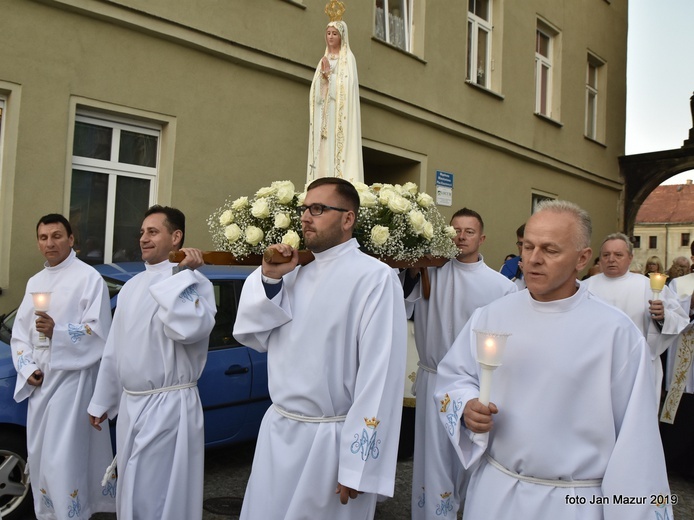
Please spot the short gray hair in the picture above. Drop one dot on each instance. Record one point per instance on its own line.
(619, 236)
(583, 222)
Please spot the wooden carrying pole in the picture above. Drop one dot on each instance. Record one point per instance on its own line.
(272, 256)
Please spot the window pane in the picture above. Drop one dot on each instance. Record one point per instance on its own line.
(482, 37)
(542, 44)
(592, 76)
(544, 79)
(226, 316)
(139, 149)
(396, 27)
(470, 74)
(92, 141)
(590, 116)
(88, 214)
(380, 26)
(482, 9)
(132, 200)
(652, 242)
(685, 240)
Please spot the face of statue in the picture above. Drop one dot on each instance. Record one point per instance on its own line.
(333, 39)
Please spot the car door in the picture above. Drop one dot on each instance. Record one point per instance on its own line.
(225, 385)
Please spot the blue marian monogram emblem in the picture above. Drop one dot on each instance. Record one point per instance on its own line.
(366, 444)
(75, 509)
(452, 416)
(110, 489)
(46, 499)
(190, 294)
(77, 331)
(21, 360)
(445, 506)
(422, 500)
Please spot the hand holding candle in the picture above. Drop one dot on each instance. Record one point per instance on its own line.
(490, 349)
(657, 283)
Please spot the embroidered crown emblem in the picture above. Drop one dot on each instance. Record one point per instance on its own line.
(371, 423)
(445, 402)
(73, 494)
(445, 495)
(43, 491)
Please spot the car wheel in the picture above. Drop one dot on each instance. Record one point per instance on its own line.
(16, 501)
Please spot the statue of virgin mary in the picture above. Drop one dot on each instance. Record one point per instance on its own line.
(334, 143)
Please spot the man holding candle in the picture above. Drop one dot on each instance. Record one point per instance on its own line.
(569, 431)
(57, 375)
(457, 289)
(659, 320)
(335, 336)
(154, 355)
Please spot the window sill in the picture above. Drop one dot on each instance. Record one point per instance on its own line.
(556, 123)
(396, 48)
(485, 90)
(599, 143)
(297, 3)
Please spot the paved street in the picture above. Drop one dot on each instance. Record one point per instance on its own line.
(227, 471)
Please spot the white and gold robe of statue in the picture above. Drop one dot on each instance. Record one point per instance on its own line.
(457, 290)
(154, 355)
(630, 293)
(683, 287)
(575, 399)
(67, 456)
(334, 141)
(336, 342)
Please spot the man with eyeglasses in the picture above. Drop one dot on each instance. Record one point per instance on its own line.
(335, 334)
(457, 289)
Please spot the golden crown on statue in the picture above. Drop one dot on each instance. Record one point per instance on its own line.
(335, 9)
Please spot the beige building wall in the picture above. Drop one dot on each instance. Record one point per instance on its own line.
(227, 83)
(670, 242)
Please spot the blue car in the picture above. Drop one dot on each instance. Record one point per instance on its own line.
(233, 386)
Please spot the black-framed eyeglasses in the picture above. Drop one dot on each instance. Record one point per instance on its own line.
(316, 209)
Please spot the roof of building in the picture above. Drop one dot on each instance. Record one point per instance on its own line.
(670, 203)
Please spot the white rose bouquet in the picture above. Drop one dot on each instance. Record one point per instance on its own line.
(395, 222)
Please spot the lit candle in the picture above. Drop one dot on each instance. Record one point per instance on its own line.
(490, 349)
(42, 301)
(657, 283)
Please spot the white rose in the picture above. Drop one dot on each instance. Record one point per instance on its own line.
(239, 203)
(285, 191)
(379, 235)
(410, 187)
(265, 192)
(425, 200)
(417, 221)
(449, 231)
(254, 235)
(360, 187)
(385, 194)
(398, 204)
(226, 218)
(428, 231)
(260, 209)
(282, 221)
(300, 199)
(291, 238)
(367, 199)
(232, 232)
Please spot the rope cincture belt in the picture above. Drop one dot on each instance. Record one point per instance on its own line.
(308, 418)
(426, 368)
(544, 481)
(183, 386)
(153, 391)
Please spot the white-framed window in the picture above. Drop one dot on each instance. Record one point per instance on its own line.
(595, 103)
(544, 43)
(115, 165)
(479, 42)
(536, 197)
(395, 23)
